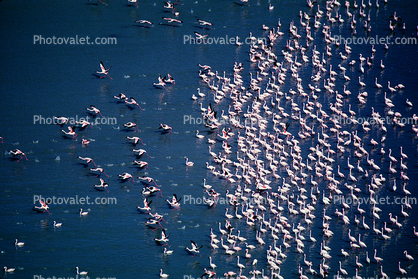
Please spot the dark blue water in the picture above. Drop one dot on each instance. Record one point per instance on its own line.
(112, 241)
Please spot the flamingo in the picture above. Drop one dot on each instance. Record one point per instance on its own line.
(367, 257)
(144, 22)
(189, 163)
(17, 152)
(146, 208)
(200, 37)
(140, 164)
(206, 186)
(163, 275)
(121, 98)
(357, 263)
(131, 103)
(212, 265)
(126, 176)
(167, 252)
(195, 249)
(415, 232)
(384, 275)
(409, 257)
(82, 213)
(93, 111)
(199, 136)
(401, 270)
(205, 23)
(8, 270)
(71, 133)
(104, 71)
(172, 20)
(44, 207)
(209, 273)
(377, 259)
(103, 185)
(133, 1)
(165, 128)
(175, 202)
(97, 171)
(163, 239)
(161, 82)
(19, 244)
(240, 265)
(135, 140)
(343, 271)
(57, 225)
(140, 152)
(80, 273)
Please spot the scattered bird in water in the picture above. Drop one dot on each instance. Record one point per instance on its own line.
(135, 140)
(19, 244)
(102, 186)
(87, 161)
(189, 163)
(174, 202)
(133, 1)
(146, 208)
(164, 238)
(167, 252)
(144, 22)
(170, 79)
(97, 171)
(18, 152)
(200, 37)
(103, 71)
(82, 213)
(172, 21)
(131, 125)
(126, 177)
(165, 128)
(80, 272)
(140, 164)
(163, 275)
(42, 208)
(161, 83)
(92, 110)
(194, 249)
(205, 23)
(71, 132)
(131, 103)
(57, 225)
(121, 98)
(8, 270)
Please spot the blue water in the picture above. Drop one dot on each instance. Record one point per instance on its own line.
(113, 241)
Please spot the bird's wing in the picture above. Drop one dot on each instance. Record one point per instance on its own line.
(102, 66)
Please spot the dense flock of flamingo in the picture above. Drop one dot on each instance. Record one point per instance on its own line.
(257, 144)
(283, 187)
